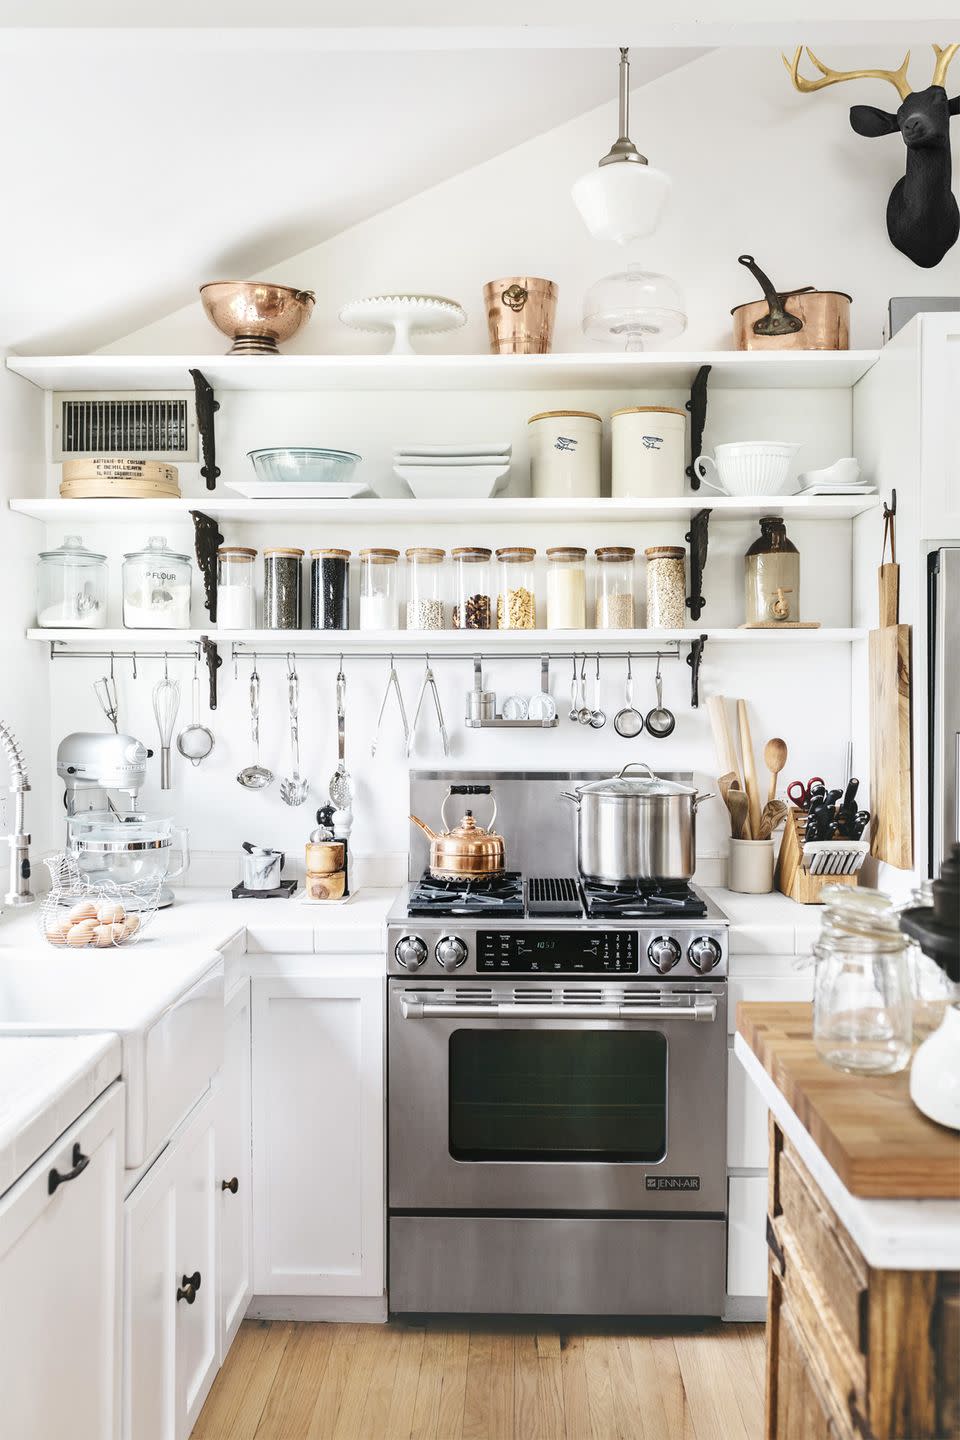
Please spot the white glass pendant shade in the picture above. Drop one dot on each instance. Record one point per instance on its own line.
(622, 201)
(633, 307)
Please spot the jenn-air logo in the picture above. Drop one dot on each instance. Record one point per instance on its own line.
(673, 1182)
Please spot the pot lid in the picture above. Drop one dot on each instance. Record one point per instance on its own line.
(625, 786)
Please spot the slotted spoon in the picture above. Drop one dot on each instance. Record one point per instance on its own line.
(293, 788)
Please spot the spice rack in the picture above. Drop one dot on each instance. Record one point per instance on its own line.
(498, 722)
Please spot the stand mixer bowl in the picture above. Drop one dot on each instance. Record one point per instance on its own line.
(132, 851)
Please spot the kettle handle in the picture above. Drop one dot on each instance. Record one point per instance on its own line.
(468, 790)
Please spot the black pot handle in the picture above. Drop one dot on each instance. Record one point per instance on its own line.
(56, 1179)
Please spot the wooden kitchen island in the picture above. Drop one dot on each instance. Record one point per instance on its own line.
(863, 1229)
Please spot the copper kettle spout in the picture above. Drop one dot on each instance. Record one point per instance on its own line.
(430, 834)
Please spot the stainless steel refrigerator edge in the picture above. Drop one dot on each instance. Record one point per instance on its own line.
(943, 630)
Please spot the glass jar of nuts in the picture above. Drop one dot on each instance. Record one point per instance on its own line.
(472, 603)
(517, 597)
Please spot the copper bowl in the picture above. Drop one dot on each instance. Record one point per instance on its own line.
(254, 314)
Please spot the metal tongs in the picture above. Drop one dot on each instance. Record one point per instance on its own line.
(393, 683)
(429, 684)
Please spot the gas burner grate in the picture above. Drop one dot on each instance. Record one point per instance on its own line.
(553, 895)
(660, 901)
(490, 895)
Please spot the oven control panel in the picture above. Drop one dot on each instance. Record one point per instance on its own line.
(652, 952)
(558, 952)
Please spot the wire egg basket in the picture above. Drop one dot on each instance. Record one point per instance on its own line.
(78, 915)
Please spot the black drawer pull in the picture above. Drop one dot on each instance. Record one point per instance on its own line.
(80, 1163)
(775, 1248)
(232, 1185)
(188, 1287)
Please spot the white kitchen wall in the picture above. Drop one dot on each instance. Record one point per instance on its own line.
(756, 167)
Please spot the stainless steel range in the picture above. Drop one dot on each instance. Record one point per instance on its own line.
(557, 1085)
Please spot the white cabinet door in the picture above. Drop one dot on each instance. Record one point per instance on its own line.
(318, 1102)
(940, 432)
(747, 1235)
(233, 1187)
(170, 1344)
(60, 1285)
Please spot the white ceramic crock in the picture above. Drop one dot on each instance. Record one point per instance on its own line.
(648, 451)
(750, 871)
(565, 454)
(935, 1072)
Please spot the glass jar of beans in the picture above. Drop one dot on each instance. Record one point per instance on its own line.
(472, 591)
(517, 596)
(425, 569)
(329, 589)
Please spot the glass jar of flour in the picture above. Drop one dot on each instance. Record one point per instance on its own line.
(156, 587)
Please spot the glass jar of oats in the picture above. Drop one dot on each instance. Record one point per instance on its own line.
(666, 587)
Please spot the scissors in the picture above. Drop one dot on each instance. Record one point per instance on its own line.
(801, 794)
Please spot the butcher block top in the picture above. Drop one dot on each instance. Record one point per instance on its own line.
(866, 1126)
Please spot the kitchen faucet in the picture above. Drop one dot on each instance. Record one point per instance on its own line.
(19, 892)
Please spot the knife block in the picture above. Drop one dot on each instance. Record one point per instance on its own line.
(792, 878)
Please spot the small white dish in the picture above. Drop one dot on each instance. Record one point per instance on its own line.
(329, 490)
(842, 473)
(516, 707)
(466, 482)
(456, 463)
(450, 452)
(542, 706)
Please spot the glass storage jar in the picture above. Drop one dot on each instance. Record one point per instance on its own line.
(614, 608)
(666, 587)
(772, 576)
(862, 1002)
(472, 604)
(379, 590)
(156, 587)
(517, 597)
(566, 588)
(330, 589)
(236, 598)
(281, 587)
(425, 588)
(71, 587)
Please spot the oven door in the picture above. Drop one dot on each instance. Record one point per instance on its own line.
(546, 1097)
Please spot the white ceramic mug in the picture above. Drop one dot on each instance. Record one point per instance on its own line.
(748, 467)
(751, 867)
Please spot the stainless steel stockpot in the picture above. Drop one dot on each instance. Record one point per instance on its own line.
(632, 828)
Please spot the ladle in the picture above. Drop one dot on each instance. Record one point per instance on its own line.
(195, 741)
(661, 722)
(255, 777)
(628, 722)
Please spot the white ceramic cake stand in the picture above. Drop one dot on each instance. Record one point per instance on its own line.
(403, 316)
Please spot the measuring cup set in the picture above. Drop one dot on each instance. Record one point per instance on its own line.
(628, 721)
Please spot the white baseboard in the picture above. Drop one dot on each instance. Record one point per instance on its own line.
(743, 1308)
(352, 1309)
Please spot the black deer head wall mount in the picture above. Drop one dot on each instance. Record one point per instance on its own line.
(922, 216)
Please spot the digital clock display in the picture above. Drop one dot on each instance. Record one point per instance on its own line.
(558, 952)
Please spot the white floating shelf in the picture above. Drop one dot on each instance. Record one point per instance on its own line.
(731, 370)
(497, 511)
(486, 642)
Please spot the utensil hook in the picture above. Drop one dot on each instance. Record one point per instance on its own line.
(166, 673)
(111, 667)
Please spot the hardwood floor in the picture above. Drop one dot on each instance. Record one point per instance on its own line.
(449, 1381)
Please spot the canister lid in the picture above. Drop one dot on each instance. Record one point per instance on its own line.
(331, 554)
(74, 552)
(379, 556)
(239, 552)
(564, 415)
(156, 548)
(470, 553)
(283, 550)
(615, 552)
(426, 553)
(665, 552)
(511, 553)
(566, 552)
(648, 410)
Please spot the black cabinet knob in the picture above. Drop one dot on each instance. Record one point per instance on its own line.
(57, 1177)
(232, 1185)
(188, 1287)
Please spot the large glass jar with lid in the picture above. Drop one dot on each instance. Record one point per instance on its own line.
(614, 608)
(71, 587)
(156, 587)
(666, 587)
(236, 596)
(329, 589)
(472, 590)
(517, 591)
(379, 589)
(425, 571)
(566, 588)
(282, 587)
(862, 1002)
(772, 576)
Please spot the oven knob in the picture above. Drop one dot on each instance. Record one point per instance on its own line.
(410, 952)
(451, 952)
(703, 953)
(663, 953)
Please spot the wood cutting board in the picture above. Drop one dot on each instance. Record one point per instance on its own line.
(866, 1126)
(891, 759)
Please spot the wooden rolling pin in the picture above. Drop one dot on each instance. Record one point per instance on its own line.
(749, 769)
(722, 738)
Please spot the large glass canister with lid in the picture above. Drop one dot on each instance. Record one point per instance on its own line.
(566, 588)
(517, 592)
(472, 592)
(862, 1002)
(379, 589)
(236, 595)
(71, 587)
(666, 587)
(329, 589)
(282, 587)
(614, 608)
(425, 571)
(772, 576)
(156, 587)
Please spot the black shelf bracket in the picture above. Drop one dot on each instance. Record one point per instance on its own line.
(697, 406)
(693, 660)
(207, 537)
(207, 406)
(697, 537)
(214, 660)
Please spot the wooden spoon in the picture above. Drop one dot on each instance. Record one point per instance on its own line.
(775, 758)
(730, 781)
(774, 812)
(739, 807)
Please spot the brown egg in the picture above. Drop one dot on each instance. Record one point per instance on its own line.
(86, 910)
(105, 935)
(57, 933)
(131, 926)
(108, 911)
(81, 934)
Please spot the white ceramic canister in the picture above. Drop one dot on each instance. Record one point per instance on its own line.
(648, 443)
(750, 871)
(565, 454)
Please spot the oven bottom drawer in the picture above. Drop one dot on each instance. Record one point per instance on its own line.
(490, 1265)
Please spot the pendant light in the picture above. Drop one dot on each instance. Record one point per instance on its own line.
(623, 198)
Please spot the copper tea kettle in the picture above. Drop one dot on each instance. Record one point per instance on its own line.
(468, 851)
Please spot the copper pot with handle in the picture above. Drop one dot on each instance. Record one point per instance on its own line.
(801, 318)
(466, 851)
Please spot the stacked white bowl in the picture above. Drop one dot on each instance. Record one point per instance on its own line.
(449, 472)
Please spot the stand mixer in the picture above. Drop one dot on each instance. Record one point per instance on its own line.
(115, 844)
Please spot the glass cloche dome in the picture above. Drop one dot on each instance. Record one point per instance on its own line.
(633, 307)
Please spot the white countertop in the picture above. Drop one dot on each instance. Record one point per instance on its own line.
(891, 1234)
(45, 1084)
(767, 924)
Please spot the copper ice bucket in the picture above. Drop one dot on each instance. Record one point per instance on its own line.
(520, 312)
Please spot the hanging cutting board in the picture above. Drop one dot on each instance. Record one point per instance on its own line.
(891, 757)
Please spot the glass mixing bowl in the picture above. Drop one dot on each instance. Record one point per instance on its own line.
(132, 851)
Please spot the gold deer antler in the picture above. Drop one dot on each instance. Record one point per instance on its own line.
(897, 78)
(944, 54)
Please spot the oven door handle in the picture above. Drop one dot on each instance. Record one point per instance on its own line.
(414, 1008)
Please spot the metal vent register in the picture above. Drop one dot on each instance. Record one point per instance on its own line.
(161, 426)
